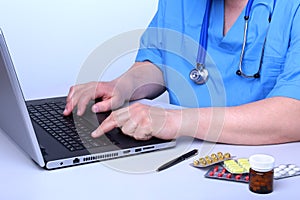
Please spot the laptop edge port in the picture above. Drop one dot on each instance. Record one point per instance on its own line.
(76, 161)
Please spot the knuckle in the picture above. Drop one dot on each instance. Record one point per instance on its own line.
(104, 106)
(72, 88)
(124, 130)
(144, 112)
(138, 107)
(114, 115)
(97, 85)
(137, 137)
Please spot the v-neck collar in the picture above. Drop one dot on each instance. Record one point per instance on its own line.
(234, 35)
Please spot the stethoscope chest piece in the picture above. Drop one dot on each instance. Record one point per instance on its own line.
(199, 76)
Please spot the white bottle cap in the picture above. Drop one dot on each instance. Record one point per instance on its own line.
(261, 162)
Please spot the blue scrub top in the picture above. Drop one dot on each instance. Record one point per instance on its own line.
(171, 42)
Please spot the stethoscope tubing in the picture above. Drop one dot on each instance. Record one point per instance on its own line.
(204, 36)
(201, 56)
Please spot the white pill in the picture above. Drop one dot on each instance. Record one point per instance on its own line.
(282, 166)
(287, 169)
(277, 175)
(292, 166)
(292, 172)
(282, 172)
(277, 169)
(297, 169)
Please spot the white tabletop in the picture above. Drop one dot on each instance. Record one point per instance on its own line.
(22, 179)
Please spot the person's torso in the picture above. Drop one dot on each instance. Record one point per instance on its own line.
(224, 87)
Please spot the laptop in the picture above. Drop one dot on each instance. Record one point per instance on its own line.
(53, 140)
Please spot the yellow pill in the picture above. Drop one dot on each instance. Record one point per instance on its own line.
(227, 155)
(215, 159)
(229, 161)
(243, 160)
(238, 170)
(196, 162)
(208, 160)
(202, 161)
(213, 155)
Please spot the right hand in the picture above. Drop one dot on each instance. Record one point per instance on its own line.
(81, 95)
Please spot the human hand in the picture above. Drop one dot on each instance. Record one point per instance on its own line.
(142, 122)
(81, 95)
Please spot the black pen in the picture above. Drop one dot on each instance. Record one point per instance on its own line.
(178, 160)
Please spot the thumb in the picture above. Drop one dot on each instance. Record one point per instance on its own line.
(102, 106)
(107, 105)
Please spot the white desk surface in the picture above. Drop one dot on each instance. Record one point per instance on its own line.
(21, 178)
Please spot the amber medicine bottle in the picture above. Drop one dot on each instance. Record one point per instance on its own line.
(261, 173)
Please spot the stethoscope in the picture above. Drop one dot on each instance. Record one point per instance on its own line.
(200, 74)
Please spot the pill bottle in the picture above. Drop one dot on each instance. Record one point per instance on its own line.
(261, 173)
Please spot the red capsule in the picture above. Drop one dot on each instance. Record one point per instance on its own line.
(229, 175)
(211, 173)
(238, 177)
(220, 174)
(247, 178)
(216, 169)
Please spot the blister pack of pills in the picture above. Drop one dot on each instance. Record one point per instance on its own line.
(219, 172)
(285, 171)
(239, 166)
(212, 159)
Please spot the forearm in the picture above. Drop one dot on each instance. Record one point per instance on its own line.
(267, 121)
(142, 80)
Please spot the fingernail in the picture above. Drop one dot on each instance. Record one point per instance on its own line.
(95, 109)
(94, 134)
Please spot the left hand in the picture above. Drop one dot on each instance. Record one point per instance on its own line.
(142, 122)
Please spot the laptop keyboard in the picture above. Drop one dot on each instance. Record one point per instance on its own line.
(73, 134)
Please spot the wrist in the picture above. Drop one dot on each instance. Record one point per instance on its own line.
(186, 122)
(177, 123)
(123, 87)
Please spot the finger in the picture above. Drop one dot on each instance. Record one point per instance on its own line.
(72, 99)
(98, 132)
(107, 105)
(107, 125)
(142, 137)
(82, 102)
(115, 119)
(143, 133)
(69, 103)
(102, 106)
(68, 108)
(129, 128)
(71, 93)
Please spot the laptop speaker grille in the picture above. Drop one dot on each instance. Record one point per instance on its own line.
(100, 157)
